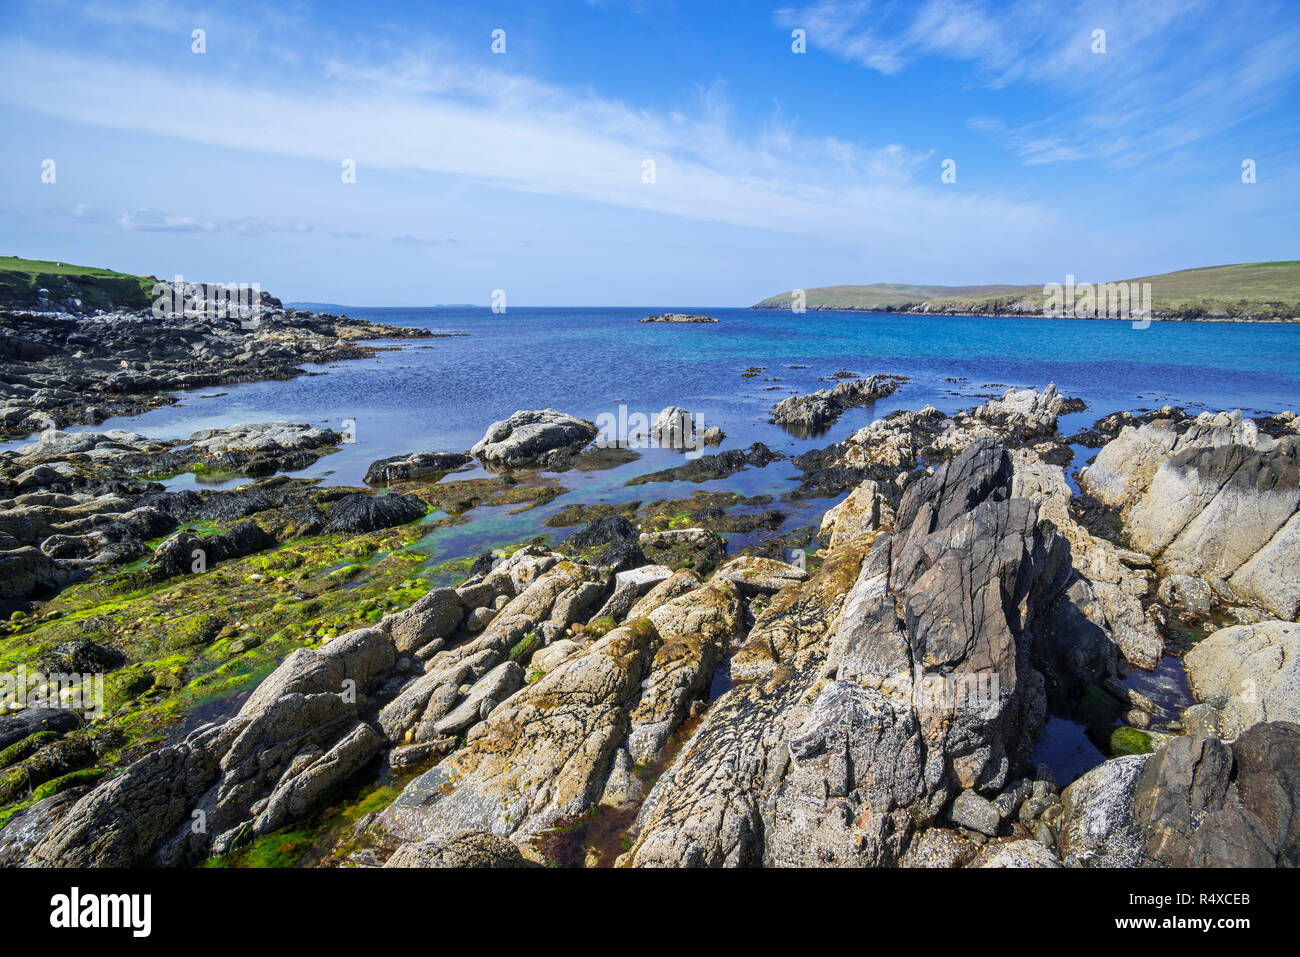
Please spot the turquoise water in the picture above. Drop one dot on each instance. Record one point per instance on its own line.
(441, 394)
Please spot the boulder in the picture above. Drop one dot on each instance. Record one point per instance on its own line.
(1023, 853)
(976, 813)
(473, 849)
(361, 512)
(1100, 828)
(1211, 497)
(532, 438)
(435, 615)
(417, 465)
(805, 414)
(858, 515)
(1248, 673)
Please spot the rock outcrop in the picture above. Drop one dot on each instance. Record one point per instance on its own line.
(805, 414)
(1197, 802)
(417, 465)
(546, 754)
(542, 437)
(1212, 498)
(901, 690)
(1248, 674)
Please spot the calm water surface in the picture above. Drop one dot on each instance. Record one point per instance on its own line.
(441, 394)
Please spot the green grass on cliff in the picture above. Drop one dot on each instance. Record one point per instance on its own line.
(1255, 290)
(22, 279)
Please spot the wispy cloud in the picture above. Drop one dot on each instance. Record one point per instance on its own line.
(1174, 72)
(429, 113)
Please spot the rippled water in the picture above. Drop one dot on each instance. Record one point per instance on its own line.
(442, 393)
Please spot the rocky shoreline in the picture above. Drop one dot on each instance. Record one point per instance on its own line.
(1034, 310)
(277, 666)
(70, 368)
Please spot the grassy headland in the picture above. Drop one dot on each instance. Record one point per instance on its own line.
(21, 282)
(1246, 292)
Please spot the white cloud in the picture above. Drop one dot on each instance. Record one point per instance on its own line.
(433, 115)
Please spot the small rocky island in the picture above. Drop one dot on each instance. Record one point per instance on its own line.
(679, 317)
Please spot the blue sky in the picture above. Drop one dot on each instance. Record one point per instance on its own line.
(523, 170)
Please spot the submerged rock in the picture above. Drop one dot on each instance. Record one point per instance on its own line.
(417, 465)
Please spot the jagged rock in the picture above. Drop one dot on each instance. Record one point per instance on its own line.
(679, 583)
(1197, 802)
(706, 468)
(293, 740)
(1099, 827)
(429, 697)
(965, 555)
(1248, 674)
(532, 437)
(707, 809)
(123, 820)
(862, 513)
(542, 757)
(1183, 487)
(436, 615)
(260, 448)
(695, 630)
(856, 765)
(620, 602)
(807, 413)
(1028, 413)
(676, 428)
(1105, 611)
(497, 685)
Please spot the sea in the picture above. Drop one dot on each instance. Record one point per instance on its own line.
(604, 365)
